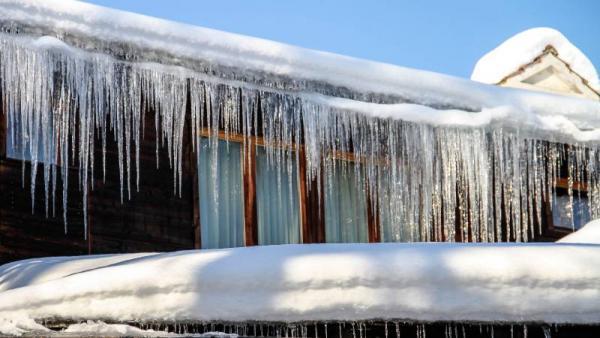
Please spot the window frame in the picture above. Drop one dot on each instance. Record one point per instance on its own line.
(312, 213)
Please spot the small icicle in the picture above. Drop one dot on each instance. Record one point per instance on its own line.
(547, 332)
(385, 325)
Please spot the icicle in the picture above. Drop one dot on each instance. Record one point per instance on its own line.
(385, 326)
(61, 107)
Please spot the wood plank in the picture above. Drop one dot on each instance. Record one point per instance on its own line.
(311, 206)
(90, 221)
(196, 210)
(372, 218)
(562, 182)
(307, 236)
(249, 182)
(3, 130)
(3, 126)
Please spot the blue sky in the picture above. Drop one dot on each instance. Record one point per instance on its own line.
(442, 36)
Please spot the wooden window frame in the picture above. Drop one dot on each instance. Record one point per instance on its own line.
(309, 231)
(312, 212)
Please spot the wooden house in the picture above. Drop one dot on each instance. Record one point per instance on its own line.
(121, 133)
(147, 139)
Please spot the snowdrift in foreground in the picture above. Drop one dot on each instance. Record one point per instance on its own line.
(542, 282)
(524, 47)
(589, 234)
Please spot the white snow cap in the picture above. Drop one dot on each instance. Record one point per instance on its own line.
(589, 234)
(524, 48)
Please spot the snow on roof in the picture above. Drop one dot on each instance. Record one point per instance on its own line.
(72, 18)
(523, 48)
(541, 282)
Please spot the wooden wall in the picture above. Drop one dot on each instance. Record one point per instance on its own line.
(155, 219)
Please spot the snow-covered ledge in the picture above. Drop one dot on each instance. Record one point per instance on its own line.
(516, 283)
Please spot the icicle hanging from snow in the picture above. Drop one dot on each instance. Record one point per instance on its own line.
(425, 178)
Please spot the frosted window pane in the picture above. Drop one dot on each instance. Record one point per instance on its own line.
(345, 206)
(562, 212)
(277, 200)
(221, 194)
(19, 146)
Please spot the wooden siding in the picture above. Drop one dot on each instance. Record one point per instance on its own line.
(155, 219)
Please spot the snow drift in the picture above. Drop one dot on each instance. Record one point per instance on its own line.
(552, 283)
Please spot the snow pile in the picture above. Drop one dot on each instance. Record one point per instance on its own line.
(99, 328)
(524, 47)
(14, 324)
(27, 272)
(589, 234)
(553, 283)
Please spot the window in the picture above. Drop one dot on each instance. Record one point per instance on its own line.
(277, 199)
(345, 204)
(20, 147)
(220, 193)
(570, 216)
(390, 218)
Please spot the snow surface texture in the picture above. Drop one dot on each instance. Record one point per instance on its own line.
(99, 328)
(542, 282)
(17, 325)
(524, 47)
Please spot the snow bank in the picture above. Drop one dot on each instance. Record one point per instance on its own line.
(39, 270)
(14, 324)
(554, 283)
(589, 234)
(524, 47)
(99, 328)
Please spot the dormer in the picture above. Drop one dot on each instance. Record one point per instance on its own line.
(540, 59)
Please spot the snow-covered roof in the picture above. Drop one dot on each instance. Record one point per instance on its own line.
(541, 282)
(524, 47)
(98, 28)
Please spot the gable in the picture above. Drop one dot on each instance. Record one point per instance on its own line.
(549, 73)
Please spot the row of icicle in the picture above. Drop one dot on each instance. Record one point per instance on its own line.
(493, 181)
(355, 329)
